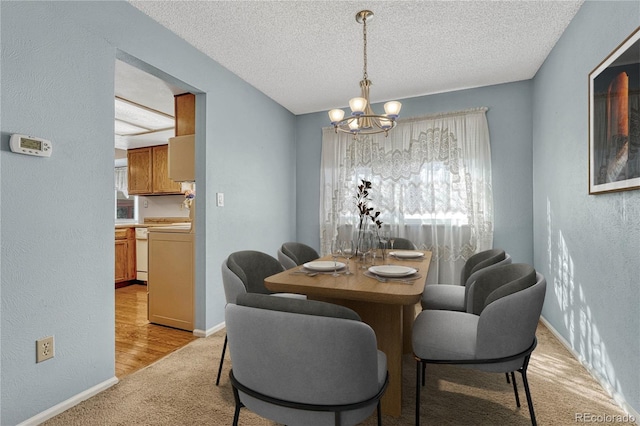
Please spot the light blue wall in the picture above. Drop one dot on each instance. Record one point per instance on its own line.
(587, 246)
(57, 81)
(509, 119)
(56, 267)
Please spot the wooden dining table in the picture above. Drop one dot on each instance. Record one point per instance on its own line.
(388, 307)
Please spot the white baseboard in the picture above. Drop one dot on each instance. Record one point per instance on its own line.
(65, 405)
(76, 399)
(619, 399)
(208, 332)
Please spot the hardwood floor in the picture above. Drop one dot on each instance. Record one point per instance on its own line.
(138, 342)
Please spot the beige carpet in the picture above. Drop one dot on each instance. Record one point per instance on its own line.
(180, 390)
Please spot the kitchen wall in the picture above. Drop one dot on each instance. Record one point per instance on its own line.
(587, 246)
(56, 269)
(509, 119)
(161, 206)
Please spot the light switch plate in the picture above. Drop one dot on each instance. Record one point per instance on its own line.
(220, 199)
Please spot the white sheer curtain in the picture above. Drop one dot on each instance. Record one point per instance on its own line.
(431, 181)
(121, 180)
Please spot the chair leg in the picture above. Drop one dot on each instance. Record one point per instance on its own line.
(379, 414)
(236, 414)
(424, 367)
(224, 349)
(523, 371)
(418, 370)
(507, 374)
(515, 388)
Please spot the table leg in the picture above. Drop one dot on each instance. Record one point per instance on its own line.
(387, 322)
(409, 313)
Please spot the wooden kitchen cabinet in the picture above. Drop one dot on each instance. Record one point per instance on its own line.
(185, 112)
(139, 171)
(182, 147)
(125, 255)
(161, 182)
(148, 171)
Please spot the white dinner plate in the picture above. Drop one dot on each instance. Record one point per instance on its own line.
(406, 254)
(392, 270)
(324, 265)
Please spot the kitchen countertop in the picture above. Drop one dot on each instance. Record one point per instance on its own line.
(150, 225)
(184, 228)
(152, 222)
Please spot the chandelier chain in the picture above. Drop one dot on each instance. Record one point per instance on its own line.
(364, 36)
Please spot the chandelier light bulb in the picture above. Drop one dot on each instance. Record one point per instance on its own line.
(357, 105)
(392, 109)
(336, 115)
(385, 123)
(354, 125)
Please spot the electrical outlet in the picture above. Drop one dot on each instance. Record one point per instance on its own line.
(44, 349)
(220, 199)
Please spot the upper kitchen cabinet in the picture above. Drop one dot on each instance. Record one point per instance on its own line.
(148, 172)
(182, 147)
(139, 171)
(185, 113)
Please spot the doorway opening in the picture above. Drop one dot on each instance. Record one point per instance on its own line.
(145, 121)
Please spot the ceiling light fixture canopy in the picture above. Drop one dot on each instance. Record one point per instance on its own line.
(362, 120)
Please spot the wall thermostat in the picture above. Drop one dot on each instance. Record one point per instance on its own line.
(30, 145)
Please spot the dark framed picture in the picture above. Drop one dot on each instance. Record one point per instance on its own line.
(614, 120)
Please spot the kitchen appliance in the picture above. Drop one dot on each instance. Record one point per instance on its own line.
(142, 254)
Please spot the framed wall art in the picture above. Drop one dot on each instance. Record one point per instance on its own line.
(614, 120)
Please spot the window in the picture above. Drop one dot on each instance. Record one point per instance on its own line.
(126, 207)
(431, 181)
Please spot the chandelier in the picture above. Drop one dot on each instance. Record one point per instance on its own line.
(362, 120)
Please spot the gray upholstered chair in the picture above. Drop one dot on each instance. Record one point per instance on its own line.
(402, 244)
(292, 254)
(453, 297)
(496, 333)
(244, 272)
(303, 362)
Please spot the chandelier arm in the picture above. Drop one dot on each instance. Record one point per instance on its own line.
(343, 125)
(367, 132)
(354, 117)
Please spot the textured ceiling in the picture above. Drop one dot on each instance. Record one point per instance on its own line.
(307, 55)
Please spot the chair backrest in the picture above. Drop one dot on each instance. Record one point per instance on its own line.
(473, 277)
(233, 285)
(248, 268)
(292, 254)
(511, 299)
(305, 351)
(480, 260)
(509, 276)
(403, 244)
